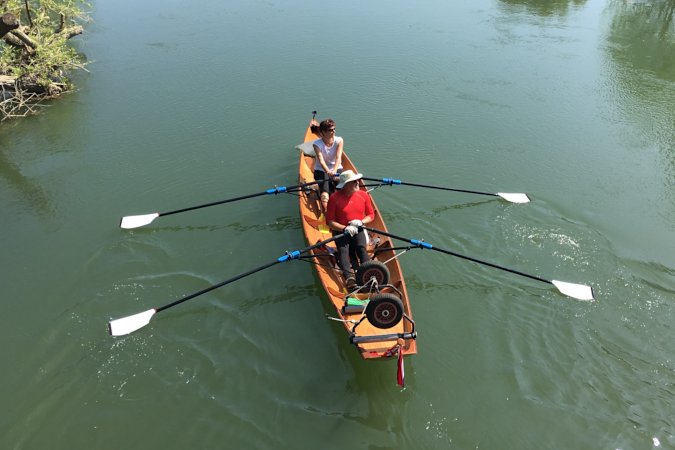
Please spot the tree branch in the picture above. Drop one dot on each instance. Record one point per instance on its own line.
(30, 21)
(24, 38)
(8, 22)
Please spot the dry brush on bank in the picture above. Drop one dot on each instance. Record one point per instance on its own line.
(35, 58)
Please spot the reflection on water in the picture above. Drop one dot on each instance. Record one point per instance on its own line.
(545, 8)
(29, 191)
(569, 101)
(643, 37)
(641, 54)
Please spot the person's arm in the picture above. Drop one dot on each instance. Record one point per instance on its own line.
(336, 226)
(330, 217)
(338, 156)
(370, 211)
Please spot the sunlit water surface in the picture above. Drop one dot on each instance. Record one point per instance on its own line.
(569, 101)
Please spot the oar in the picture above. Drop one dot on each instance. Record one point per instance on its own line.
(512, 197)
(578, 291)
(126, 325)
(129, 222)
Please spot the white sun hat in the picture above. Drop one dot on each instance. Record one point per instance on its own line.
(346, 177)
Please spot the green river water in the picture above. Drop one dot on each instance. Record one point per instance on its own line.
(572, 102)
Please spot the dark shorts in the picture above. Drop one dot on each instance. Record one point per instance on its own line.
(325, 183)
(352, 251)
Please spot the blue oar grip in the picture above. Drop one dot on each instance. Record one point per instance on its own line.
(390, 181)
(289, 255)
(420, 244)
(276, 190)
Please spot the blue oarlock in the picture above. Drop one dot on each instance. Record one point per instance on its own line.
(276, 190)
(289, 255)
(420, 244)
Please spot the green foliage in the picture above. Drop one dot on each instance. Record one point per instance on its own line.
(52, 61)
(8, 60)
(53, 58)
(46, 13)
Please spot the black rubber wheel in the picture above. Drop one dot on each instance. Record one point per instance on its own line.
(372, 269)
(384, 310)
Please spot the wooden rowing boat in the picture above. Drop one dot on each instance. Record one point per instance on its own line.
(372, 341)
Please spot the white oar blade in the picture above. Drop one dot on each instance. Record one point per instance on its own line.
(129, 222)
(126, 325)
(514, 197)
(578, 291)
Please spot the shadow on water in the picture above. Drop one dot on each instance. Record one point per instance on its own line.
(278, 224)
(377, 403)
(293, 293)
(382, 405)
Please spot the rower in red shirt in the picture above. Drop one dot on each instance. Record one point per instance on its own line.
(349, 208)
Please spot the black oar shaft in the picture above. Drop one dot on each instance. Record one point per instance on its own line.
(534, 277)
(126, 325)
(216, 286)
(205, 205)
(392, 181)
(285, 257)
(271, 191)
(426, 245)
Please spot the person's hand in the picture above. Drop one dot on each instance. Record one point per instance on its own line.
(351, 230)
(356, 223)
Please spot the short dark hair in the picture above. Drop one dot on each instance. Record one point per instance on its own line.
(326, 125)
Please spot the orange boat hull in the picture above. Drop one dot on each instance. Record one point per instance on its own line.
(372, 342)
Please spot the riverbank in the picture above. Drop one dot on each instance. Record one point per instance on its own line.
(36, 60)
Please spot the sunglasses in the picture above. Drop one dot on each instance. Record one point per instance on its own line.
(330, 130)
